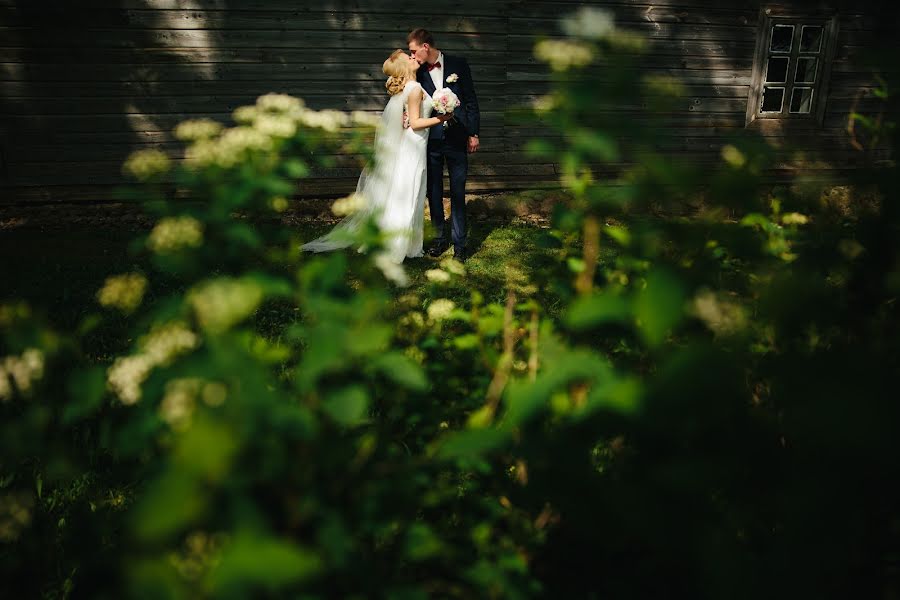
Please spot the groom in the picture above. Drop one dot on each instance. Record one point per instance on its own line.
(452, 143)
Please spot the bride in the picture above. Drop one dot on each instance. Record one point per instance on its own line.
(392, 188)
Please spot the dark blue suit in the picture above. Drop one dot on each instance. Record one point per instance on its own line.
(450, 144)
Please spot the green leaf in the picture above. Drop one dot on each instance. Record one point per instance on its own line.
(591, 311)
(86, 389)
(471, 443)
(296, 168)
(620, 234)
(466, 341)
(169, 504)
(659, 306)
(421, 542)
(347, 405)
(402, 370)
(267, 562)
(618, 395)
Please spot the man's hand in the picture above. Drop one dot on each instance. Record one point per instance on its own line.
(473, 144)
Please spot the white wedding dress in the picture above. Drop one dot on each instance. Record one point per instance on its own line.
(392, 187)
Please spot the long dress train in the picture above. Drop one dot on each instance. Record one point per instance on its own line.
(392, 187)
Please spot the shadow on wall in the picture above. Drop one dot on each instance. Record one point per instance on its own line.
(84, 86)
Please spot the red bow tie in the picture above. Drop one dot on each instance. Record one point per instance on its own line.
(436, 65)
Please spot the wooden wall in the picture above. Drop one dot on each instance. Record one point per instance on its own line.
(82, 84)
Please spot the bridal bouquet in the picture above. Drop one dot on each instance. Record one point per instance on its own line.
(444, 101)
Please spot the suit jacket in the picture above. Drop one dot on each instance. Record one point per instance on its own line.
(466, 119)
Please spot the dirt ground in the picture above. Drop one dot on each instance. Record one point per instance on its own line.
(534, 207)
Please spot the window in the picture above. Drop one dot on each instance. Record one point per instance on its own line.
(790, 70)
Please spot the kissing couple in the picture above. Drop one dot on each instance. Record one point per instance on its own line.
(413, 142)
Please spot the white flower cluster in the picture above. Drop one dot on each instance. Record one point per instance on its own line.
(22, 370)
(563, 55)
(176, 233)
(15, 514)
(229, 148)
(197, 129)
(366, 119)
(449, 267)
(329, 120)
(279, 103)
(221, 303)
(589, 23)
(180, 400)
(146, 164)
(440, 309)
(158, 348)
(721, 315)
(124, 292)
(437, 276)
(392, 271)
(348, 205)
(453, 266)
(274, 117)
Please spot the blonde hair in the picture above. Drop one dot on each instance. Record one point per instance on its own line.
(398, 71)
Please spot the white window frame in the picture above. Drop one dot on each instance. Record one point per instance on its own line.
(769, 19)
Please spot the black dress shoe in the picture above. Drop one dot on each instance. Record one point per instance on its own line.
(459, 255)
(437, 248)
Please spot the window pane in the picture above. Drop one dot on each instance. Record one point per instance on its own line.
(811, 38)
(806, 70)
(772, 100)
(782, 38)
(801, 100)
(777, 69)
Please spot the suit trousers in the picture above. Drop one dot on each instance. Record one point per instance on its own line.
(457, 159)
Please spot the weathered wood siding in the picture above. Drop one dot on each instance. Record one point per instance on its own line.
(84, 84)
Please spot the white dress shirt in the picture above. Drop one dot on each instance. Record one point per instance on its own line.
(437, 73)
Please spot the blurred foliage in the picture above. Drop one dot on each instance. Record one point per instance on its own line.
(706, 411)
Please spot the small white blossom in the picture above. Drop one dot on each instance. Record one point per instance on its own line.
(197, 129)
(437, 276)
(589, 23)
(222, 303)
(722, 316)
(453, 266)
(147, 164)
(279, 103)
(245, 115)
(329, 120)
(366, 119)
(348, 205)
(179, 401)
(176, 233)
(452, 78)
(22, 370)
(562, 55)
(393, 271)
(167, 341)
(440, 309)
(126, 376)
(159, 347)
(278, 126)
(124, 292)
